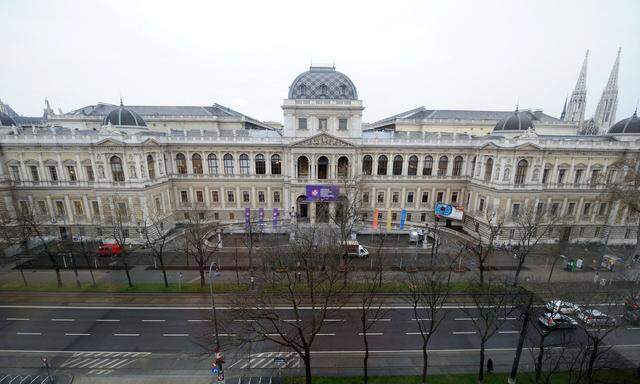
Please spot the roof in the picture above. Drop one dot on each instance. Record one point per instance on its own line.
(629, 125)
(516, 121)
(322, 83)
(124, 117)
(18, 119)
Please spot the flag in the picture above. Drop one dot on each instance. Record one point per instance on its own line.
(389, 220)
(247, 217)
(276, 215)
(403, 218)
(375, 219)
(260, 215)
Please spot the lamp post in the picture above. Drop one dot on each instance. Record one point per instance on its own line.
(213, 306)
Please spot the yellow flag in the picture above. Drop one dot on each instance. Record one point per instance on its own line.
(389, 220)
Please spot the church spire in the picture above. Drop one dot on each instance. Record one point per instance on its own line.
(578, 100)
(564, 109)
(605, 114)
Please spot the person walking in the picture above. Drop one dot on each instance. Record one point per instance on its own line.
(489, 366)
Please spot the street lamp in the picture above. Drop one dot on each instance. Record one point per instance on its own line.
(213, 306)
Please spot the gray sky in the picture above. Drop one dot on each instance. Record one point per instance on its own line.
(442, 54)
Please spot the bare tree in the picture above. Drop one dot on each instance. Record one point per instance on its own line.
(252, 232)
(120, 233)
(484, 247)
(14, 232)
(156, 239)
(308, 282)
(198, 234)
(371, 311)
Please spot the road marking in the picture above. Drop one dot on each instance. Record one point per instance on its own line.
(164, 308)
(507, 318)
(175, 334)
(325, 334)
(333, 320)
(29, 333)
(243, 320)
(291, 320)
(464, 333)
(465, 319)
(371, 334)
(274, 334)
(416, 333)
(374, 320)
(126, 334)
(17, 319)
(226, 334)
(424, 319)
(153, 321)
(633, 328)
(63, 320)
(108, 320)
(198, 320)
(77, 334)
(508, 332)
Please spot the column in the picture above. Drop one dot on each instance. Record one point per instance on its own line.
(579, 209)
(207, 197)
(87, 208)
(403, 197)
(373, 197)
(418, 198)
(238, 197)
(69, 209)
(223, 197)
(254, 199)
(388, 200)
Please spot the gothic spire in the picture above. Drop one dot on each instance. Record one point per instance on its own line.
(578, 100)
(564, 109)
(581, 85)
(605, 114)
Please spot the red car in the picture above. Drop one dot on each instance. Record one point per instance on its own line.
(109, 250)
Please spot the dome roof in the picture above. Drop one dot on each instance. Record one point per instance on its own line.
(322, 83)
(628, 125)
(6, 120)
(518, 121)
(124, 116)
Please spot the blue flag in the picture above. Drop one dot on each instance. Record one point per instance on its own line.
(403, 218)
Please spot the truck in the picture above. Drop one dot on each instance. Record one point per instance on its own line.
(354, 249)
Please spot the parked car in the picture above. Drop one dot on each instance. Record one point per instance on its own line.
(557, 321)
(632, 309)
(560, 306)
(109, 250)
(593, 317)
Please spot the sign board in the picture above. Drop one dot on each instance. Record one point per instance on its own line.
(215, 370)
(448, 211)
(322, 192)
(279, 361)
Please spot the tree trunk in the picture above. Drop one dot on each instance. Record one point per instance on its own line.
(481, 367)
(24, 278)
(164, 272)
(58, 277)
(306, 358)
(202, 275)
(481, 269)
(523, 334)
(538, 374)
(366, 358)
(126, 271)
(425, 360)
(592, 360)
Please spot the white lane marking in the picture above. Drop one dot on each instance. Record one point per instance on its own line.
(227, 334)
(123, 363)
(153, 321)
(633, 328)
(87, 364)
(274, 334)
(75, 353)
(126, 334)
(113, 362)
(374, 320)
(508, 332)
(63, 319)
(465, 319)
(371, 334)
(175, 334)
(29, 333)
(77, 334)
(415, 333)
(506, 318)
(108, 320)
(17, 319)
(291, 320)
(243, 320)
(325, 334)
(78, 362)
(423, 319)
(464, 333)
(334, 320)
(198, 320)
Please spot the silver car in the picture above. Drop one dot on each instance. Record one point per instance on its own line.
(557, 321)
(560, 306)
(593, 317)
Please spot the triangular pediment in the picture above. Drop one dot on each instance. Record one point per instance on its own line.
(323, 140)
(109, 142)
(151, 143)
(528, 147)
(489, 145)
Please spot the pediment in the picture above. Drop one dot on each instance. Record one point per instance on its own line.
(528, 147)
(109, 142)
(489, 145)
(151, 143)
(323, 140)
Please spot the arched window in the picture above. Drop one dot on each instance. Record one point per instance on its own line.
(323, 167)
(367, 165)
(212, 164)
(427, 168)
(227, 159)
(382, 165)
(261, 165)
(343, 90)
(443, 163)
(303, 166)
(151, 167)
(323, 90)
(276, 165)
(488, 170)
(196, 163)
(244, 164)
(413, 165)
(343, 166)
(117, 172)
(397, 165)
(521, 172)
(457, 166)
(181, 163)
(302, 89)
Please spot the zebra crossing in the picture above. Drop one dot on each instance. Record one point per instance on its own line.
(265, 360)
(23, 379)
(102, 363)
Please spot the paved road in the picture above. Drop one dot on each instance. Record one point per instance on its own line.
(107, 340)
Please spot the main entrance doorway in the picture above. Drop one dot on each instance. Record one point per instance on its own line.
(303, 208)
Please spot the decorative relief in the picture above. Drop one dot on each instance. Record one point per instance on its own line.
(324, 140)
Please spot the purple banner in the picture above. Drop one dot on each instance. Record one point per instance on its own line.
(276, 215)
(247, 217)
(322, 192)
(260, 215)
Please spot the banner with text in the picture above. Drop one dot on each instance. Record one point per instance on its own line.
(448, 211)
(322, 192)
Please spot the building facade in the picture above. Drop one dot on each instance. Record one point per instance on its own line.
(80, 170)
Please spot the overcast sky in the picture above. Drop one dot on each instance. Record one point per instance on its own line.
(400, 55)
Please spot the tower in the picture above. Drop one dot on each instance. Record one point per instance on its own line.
(605, 114)
(578, 100)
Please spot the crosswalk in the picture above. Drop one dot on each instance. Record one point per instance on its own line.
(23, 379)
(266, 360)
(102, 363)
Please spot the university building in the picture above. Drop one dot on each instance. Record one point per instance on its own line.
(77, 169)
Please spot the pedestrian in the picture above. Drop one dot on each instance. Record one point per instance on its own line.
(489, 366)
(596, 277)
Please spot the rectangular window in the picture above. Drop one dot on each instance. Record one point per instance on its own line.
(216, 216)
(423, 216)
(577, 177)
(95, 207)
(260, 196)
(561, 174)
(481, 205)
(215, 197)
(42, 207)
(60, 208)
(276, 196)
(380, 197)
(199, 197)
(184, 196)
(595, 177)
(515, 210)
(554, 208)
(77, 207)
(15, 173)
(408, 216)
(24, 208)
(71, 171)
(302, 123)
(395, 197)
(231, 216)
(89, 171)
(545, 175)
(379, 215)
(409, 197)
(53, 173)
(586, 209)
(425, 197)
(394, 216)
(581, 233)
(245, 196)
(597, 232)
(570, 208)
(158, 205)
(512, 233)
(439, 197)
(35, 176)
(365, 197)
(603, 209)
(230, 197)
(540, 209)
(454, 197)
(122, 209)
(322, 124)
(201, 215)
(627, 233)
(342, 124)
